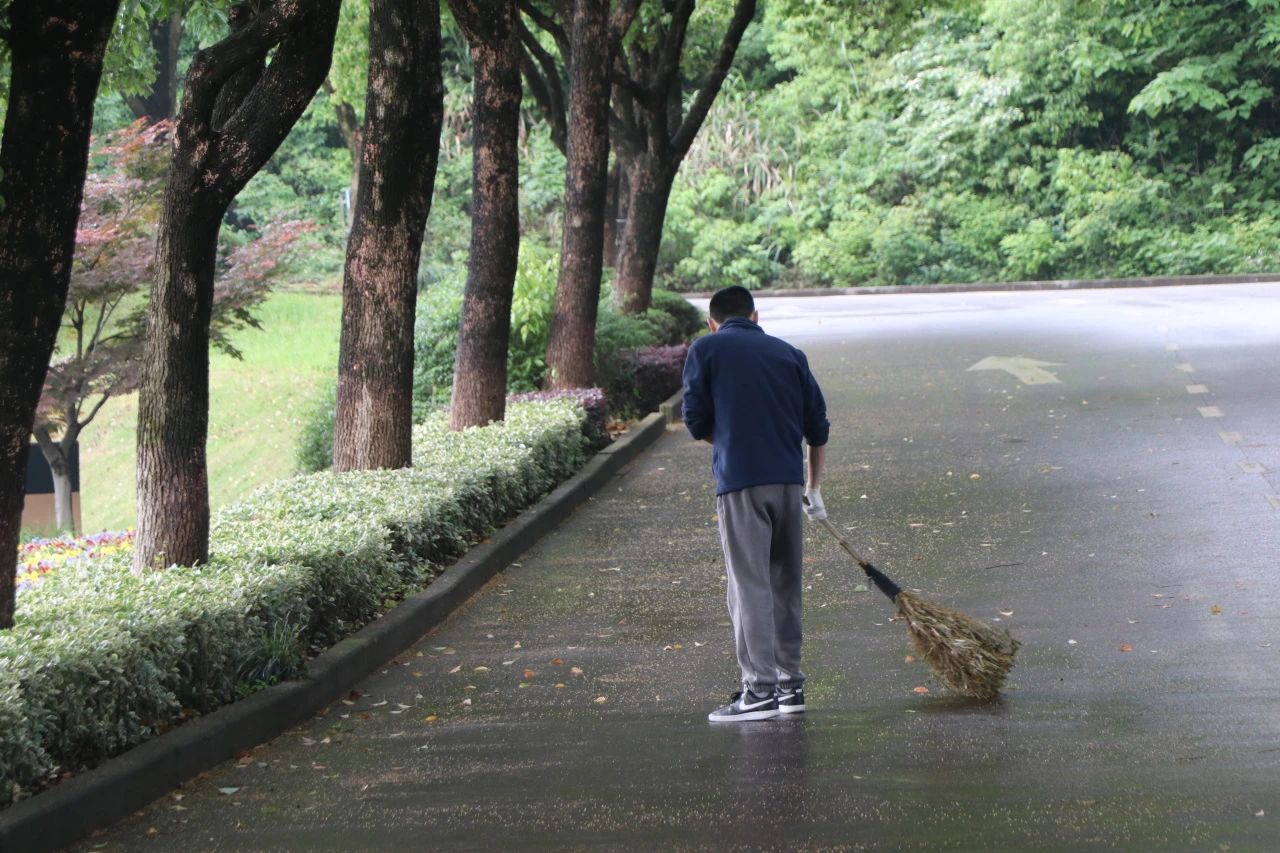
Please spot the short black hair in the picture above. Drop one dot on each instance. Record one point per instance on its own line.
(734, 301)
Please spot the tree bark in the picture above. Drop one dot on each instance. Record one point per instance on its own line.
(56, 49)
(158, 104)
(404, 110)
(480, 369)
(571, 340)
(235, 113)
(648, 190)
(614, 210)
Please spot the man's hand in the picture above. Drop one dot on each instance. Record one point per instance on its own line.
(813, 505)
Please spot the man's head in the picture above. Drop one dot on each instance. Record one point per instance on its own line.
(730, 302)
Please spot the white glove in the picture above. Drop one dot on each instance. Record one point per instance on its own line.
(813, 505)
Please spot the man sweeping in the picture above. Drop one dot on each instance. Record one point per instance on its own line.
(754, 399)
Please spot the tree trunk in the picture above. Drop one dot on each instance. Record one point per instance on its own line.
(654, 135)
(571, 340)
(158, 103)
(173, 403)
(56, 49)
(480, 369)
(648, 190)
(235, 113)
(405, 108)
(57, 455)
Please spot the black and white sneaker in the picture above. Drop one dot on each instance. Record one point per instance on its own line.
(790, 700)
(745, 706)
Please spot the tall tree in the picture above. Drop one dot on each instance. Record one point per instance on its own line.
(236, 110)
(56, 49)
(653, 132)
(480, 368)
(404, 110)
(588, 49)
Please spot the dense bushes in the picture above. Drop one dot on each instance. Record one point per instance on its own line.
(917, 143)
(101, 660)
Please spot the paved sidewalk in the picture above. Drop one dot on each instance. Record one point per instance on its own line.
(1102, 519)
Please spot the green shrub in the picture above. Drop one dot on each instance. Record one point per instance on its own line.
(315, 442)
(532, 303)
(435, 343)
(101, 660)
(690, 322)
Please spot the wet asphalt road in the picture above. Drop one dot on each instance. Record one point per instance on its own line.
(1117, 520)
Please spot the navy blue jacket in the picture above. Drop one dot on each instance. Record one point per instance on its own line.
(753, 395)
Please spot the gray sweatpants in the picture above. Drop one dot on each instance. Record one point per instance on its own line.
(762, 536)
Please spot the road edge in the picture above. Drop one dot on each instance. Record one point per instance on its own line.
(977, 287)
(120, 786)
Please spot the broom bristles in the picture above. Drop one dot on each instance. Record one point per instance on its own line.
(967, 654)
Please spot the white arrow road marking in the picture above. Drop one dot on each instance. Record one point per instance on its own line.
(1028, 371)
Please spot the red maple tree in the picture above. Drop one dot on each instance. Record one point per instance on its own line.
(99, 351)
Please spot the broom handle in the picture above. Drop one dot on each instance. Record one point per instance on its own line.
(831, 528)
(879, 578)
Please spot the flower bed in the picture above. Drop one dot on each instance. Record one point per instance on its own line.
(101, 660)
(39, 557)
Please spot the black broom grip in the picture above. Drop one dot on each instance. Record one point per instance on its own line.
(882, 581)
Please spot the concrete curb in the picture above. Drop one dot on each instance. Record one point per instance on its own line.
(1065, 284)
(70, 811)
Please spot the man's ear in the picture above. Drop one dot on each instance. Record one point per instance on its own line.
(712, 325)
(755, 317)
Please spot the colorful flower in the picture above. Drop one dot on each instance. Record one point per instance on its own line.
(39, 557)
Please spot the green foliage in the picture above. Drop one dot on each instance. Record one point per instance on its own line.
(101, 660)
(532, 301)
(959, 141)
(315, 441)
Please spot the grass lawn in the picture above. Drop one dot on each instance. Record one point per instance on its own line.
(255, 410)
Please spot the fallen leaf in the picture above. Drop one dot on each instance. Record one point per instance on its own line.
(1216, 609)
(152, 831)
(1125, 647)
(975, 476)
(909, 659)
(1260, 813)
(575, 671)
(481, 669)
(922, 691)
(430, 718)
(227, 791)
(1006, 612)
(600, 700)
(416, 674)
(466, 701)
(528, 673)
(1071, 642)
(457, 668)
(557, 662)
(560, 685)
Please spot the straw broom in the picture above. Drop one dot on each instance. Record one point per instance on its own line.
(967, 654)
